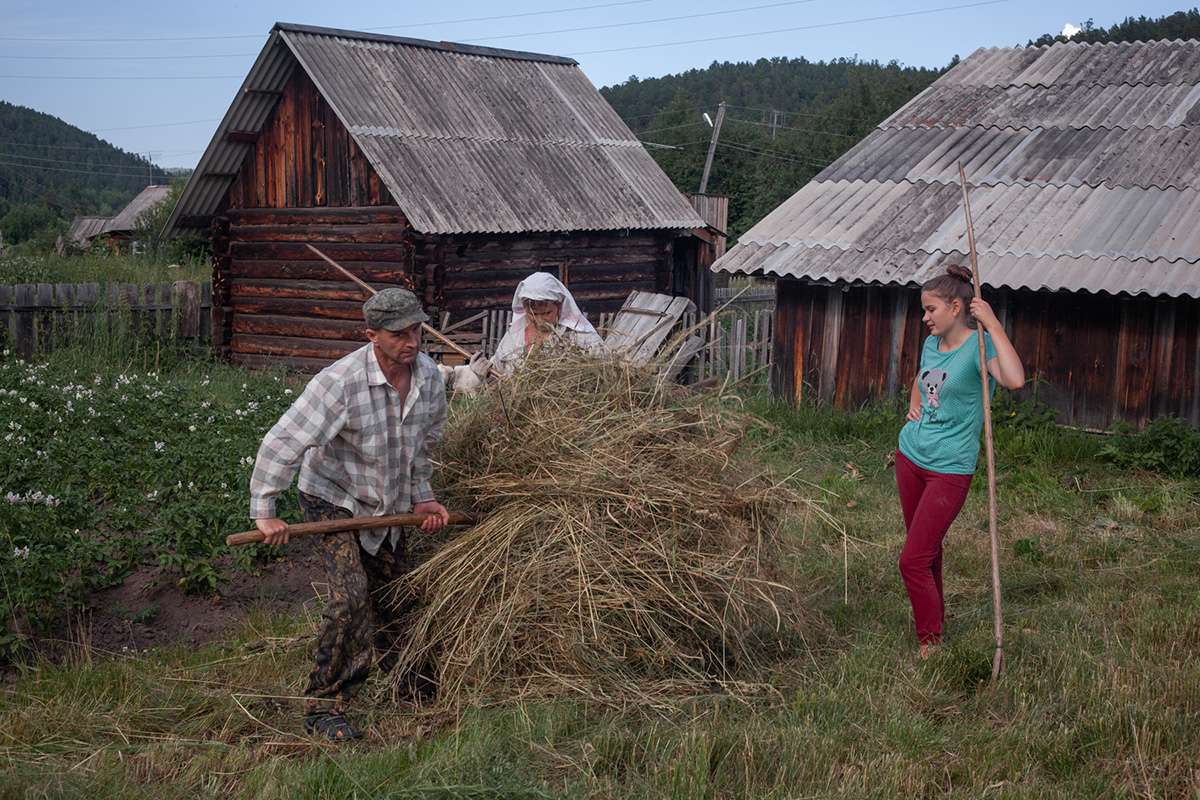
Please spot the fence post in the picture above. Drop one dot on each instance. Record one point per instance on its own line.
(186, 297)
(6, 316)
(23, 322)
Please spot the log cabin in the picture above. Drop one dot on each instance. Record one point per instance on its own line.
(451, 170)
(1082, 165)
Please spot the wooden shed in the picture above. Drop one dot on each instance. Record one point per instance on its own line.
(448, 169)
(1083, 170)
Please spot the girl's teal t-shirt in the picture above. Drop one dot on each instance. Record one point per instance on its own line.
(946, 437)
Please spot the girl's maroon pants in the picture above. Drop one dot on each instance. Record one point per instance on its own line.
(930, 501)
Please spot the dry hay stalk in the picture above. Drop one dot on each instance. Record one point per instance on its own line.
(623, 543)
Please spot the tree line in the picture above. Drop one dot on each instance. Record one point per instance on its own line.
(787, 119)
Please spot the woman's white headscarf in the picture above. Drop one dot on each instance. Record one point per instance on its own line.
(542, 286)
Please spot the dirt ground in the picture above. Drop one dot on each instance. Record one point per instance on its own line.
(149, 610)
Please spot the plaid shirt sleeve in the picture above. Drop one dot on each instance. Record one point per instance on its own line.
(313, 420)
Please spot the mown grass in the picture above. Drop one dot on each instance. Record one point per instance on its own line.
(1099, 698)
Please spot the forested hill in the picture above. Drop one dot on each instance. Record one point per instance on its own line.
(1180, 25)
(785, 121)
(48, 163)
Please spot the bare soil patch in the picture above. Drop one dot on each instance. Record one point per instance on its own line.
(148, 609)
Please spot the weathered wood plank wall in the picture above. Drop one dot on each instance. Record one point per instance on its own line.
(1098, 358)
(305, 158)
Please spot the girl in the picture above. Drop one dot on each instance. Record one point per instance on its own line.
(939, 444)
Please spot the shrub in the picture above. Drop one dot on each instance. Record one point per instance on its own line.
(1167, 445)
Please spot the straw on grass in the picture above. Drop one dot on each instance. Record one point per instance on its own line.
(624, 544)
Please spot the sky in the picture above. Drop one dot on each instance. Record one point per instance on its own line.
(155, 78)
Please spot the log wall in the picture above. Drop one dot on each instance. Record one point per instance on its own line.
(1099, 358)
(278, 300)
(305, 158)
(306, 182)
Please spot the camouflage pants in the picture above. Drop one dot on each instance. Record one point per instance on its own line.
(355, 623)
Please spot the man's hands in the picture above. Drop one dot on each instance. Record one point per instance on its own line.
(440, 516)
(275, 530)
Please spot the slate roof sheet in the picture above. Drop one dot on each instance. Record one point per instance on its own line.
(1082, 171)
(467, 139)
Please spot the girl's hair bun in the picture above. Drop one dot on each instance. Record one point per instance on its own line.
(962, 273)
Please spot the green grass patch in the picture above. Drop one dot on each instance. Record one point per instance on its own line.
(1102, 631)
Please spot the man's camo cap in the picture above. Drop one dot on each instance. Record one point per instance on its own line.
(393, 310)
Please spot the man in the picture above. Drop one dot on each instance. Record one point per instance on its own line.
(361, 436)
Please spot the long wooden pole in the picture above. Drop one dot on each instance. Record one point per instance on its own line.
(348, 524)
(997, 614)
(424, 325)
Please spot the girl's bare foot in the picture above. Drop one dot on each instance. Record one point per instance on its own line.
(926, 650)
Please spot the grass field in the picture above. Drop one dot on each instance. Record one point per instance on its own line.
(1100, 698)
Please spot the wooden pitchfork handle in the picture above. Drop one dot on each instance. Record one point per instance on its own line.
(424, 325)
(350, 524)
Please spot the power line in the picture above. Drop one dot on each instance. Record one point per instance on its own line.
(123, 77)
(646, 21)
(136, 169)
(783, 127)
(379, 28)
(127, 58)
(513, 16)
(73, 171)
(158, 125)
(787, 30)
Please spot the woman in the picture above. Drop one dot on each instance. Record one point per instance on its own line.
(939, 445)
(542, 309)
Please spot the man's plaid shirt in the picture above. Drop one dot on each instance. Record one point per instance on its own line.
(364, 448)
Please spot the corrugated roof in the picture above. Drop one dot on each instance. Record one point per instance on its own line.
(127, 219)
(466, 139)
(1082, 163)
(84, 229)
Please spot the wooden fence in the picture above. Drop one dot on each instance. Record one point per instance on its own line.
(31, 314)
(737, 340)
(754, 298)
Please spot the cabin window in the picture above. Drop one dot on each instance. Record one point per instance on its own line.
(557, 269)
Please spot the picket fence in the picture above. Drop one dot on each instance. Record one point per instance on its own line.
(31, 315)
(737, 339)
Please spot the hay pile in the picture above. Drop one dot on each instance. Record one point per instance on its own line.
(623, 546)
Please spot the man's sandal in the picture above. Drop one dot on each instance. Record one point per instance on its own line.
(330, 726)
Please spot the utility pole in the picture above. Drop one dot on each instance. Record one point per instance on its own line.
(712, 146)
(150, 164)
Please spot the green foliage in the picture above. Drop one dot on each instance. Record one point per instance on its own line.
(104, 466)
(786, 120)
(1022, 411)
(24, 222)
(1167, 446)
(1182, 25)
(101, 267)
(149, 228)
(89, 176)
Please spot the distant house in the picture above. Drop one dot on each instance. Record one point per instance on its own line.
(120, 230)
(84, 229)
(449, 169)
(1083, 167)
